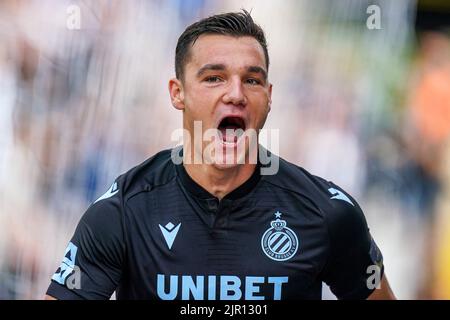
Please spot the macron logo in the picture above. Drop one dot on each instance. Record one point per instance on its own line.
(108, 194)
(339, 195)
(169, 232)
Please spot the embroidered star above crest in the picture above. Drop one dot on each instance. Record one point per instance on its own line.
(278, 214)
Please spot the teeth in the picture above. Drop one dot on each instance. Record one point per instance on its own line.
(230, 130)
(230, 136)
(235, 122)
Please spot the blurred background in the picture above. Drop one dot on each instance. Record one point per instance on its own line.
(361, 96)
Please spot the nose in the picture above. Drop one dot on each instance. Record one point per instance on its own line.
(235, 93)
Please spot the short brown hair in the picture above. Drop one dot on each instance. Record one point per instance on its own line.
(236, 24)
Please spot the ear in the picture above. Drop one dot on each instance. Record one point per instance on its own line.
(270, 96)
(176, 92)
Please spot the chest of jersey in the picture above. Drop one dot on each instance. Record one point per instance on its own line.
(257, 248)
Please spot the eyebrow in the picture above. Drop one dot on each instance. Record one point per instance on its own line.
(221, 67)
(256, 69)
(207, 67)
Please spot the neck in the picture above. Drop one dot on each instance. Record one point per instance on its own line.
(219, 181)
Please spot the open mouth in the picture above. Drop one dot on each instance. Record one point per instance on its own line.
(231, 128)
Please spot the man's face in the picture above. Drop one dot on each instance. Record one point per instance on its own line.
(225, 86)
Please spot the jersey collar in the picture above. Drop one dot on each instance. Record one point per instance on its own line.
(195, 189)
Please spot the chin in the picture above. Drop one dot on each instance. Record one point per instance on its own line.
(222, 166)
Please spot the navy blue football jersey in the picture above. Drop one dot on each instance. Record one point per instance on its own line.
(157, 234)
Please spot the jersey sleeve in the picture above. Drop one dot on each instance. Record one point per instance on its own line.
(92, 263)
(355, 263)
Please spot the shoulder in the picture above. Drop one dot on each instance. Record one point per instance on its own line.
(334, 203)
(296, 179)
(153, 172)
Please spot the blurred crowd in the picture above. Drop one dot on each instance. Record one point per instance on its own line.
(366, 108)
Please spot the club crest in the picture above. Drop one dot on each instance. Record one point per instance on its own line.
(279, 242)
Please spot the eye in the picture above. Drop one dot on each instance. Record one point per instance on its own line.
(212, 79)
(253, 81)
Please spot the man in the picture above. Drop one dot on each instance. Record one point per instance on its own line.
(212, 226)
